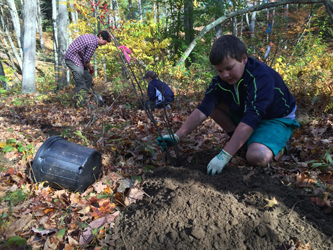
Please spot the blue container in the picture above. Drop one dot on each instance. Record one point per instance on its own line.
(65, 164)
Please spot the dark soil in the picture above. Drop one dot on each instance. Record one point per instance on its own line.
(188, 209)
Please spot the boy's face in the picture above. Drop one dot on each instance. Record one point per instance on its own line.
(231, 70)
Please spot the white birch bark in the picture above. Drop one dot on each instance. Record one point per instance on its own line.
(140, 9)
(116, 10)
(7, 51)
(73, 16)
(29, 47)
(55, 38)
(62, 38)
(40, 30)
(16, 24)
(17, 56)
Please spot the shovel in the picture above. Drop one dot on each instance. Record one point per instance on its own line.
(98, 97)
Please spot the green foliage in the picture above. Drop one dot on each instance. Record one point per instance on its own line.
(16, 240)
(15, 197)
(324, 163)
(82, 137)
(12, 144)
(3, 219)
(309, 74)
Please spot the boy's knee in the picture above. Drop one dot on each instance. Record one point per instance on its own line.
(259, 156)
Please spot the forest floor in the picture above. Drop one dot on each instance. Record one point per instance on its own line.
(146, 203)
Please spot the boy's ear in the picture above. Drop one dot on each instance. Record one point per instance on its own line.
(244, 59)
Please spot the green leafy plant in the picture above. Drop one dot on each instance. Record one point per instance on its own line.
(65, 133)
(15, 197)
(324, 163)
(16, 240)
(82, 137)
(3, 218)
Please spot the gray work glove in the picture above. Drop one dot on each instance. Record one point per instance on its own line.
(216, 165)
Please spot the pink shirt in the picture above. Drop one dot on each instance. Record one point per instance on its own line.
(82, 49)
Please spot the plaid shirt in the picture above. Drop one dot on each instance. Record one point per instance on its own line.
(82, 49)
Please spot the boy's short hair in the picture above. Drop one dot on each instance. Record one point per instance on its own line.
(105, 35)
(150, 74)
(227, 46)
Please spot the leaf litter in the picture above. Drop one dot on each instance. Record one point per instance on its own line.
(126, 139)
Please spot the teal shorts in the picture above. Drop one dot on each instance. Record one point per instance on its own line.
(273, 133)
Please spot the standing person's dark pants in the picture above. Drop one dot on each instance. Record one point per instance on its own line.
(83, 82)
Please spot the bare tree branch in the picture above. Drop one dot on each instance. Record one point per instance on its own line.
(241, 12)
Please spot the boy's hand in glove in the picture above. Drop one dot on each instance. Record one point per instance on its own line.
(216, 165)
(169, 140)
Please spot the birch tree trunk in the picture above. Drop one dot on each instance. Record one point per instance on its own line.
(8, 49)
(55, 38)
(116, 10)
(16, 24)
(62, 38)
(39, 18)
(73, 15)
(17, 56)
(29, 47)
(140, 10)
(237, 13)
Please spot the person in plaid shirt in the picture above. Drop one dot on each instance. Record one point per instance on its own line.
(78, 58)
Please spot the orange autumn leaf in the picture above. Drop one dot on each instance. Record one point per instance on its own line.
(107, 208)
(48, 210)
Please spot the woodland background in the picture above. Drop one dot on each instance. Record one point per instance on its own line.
(171, 37)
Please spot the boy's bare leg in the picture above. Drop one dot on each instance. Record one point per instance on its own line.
(220, 115)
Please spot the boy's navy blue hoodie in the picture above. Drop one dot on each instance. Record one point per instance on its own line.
(158, 89)
(261, 94)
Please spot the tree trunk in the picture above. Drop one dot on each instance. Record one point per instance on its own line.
(8, 49)
(62, 38)
(234, 26)
(130, 8)
(16, 24)
(237, 13)
(55, 38)
(17, 56)
(40, 26)
(3, 78)
(157, 11)
(329, 8)
(188, 24)
(116, 10)
(140, 9)
(73, 15)
(29, 47)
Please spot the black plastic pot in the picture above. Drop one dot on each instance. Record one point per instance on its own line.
(65, 164)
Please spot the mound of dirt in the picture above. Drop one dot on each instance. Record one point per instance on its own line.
(187, 209)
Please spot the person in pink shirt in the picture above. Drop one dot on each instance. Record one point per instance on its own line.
(78, 58)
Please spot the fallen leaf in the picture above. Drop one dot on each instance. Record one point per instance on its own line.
(86, 236)
(42, 232)
(18, 225)
(99, 187)
(271, 203)
(72, 241)
(134, 195)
